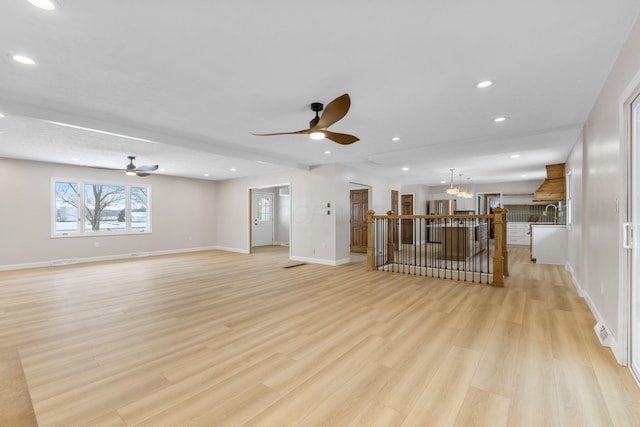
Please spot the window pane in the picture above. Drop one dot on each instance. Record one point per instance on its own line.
(66, 207)
(104, 208)
(139, 215)
(264, 208)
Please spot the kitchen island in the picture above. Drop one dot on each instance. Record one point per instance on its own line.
(460, 242)
(549, 243)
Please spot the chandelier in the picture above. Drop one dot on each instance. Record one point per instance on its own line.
(459, 191)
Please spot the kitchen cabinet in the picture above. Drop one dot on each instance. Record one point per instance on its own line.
(549, 243)
(518, 233)
(462, 242)
(463, 204)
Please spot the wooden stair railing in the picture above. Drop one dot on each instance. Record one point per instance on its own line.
(500, 256)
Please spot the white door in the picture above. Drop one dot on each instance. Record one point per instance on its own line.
(633, 239)
(262, 210)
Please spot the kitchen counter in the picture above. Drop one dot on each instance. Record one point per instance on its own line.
(549, 243)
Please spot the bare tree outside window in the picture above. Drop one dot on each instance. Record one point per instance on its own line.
(139, 201)
(97, 208)
(66, 207)
(102, 204)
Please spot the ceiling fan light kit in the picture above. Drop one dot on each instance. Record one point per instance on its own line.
(132, 170)
(334, 111)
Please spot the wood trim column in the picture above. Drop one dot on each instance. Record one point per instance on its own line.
(498, 244)
(390, 243)
(505, 250)
(370, 246)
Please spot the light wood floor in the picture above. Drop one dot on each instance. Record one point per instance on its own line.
(217, 339)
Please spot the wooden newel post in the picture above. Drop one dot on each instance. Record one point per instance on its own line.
(370, 245)
(505, 251)
(498, 244)
(390, 242)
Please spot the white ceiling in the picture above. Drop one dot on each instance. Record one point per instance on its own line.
(193, 79)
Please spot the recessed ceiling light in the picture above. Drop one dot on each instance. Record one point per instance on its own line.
(327, 152)
(75, 159)
(163, 170)
(500, 119)
(405, 168)
(233, 169)
(2, 116)
(515, 156)
(25, 60)
(206, 174)
(524, 175)
(443, 182)
(43, 4)
(484, 84)
(395, 138)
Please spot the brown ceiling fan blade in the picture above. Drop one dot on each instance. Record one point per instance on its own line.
(147, 168)
(334, 111)
(298, 132)
(142, 174)
(341, 138)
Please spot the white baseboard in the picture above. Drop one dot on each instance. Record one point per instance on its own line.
(317, 260)
(69, 261)
(612, 341)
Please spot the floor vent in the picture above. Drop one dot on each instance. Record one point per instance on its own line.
(295, 265)
(604, 335)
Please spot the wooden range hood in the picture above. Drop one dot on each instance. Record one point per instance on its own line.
(553, 188)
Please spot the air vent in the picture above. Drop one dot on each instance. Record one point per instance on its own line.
(604, 335)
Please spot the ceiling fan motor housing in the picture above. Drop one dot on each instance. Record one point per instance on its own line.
(316, 107)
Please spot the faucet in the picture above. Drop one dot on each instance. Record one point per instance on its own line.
(555, 212)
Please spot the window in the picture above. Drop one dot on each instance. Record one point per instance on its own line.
(264, 207)
(82, 208)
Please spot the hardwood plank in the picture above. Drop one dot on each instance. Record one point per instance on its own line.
(482, 408)
(578, 395)
(218, 338)
(442, 399)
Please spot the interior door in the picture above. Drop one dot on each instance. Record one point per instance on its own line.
(262, 226)
(407, 224)
(359, 206)
(633, 240)
(395, 207)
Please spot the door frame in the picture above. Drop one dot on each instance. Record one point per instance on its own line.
(357, 186)
(625, 214)
(630, 169)
(250, 191)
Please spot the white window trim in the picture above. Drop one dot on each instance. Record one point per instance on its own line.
(81, 211)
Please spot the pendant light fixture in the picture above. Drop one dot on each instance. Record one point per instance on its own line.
(452, 190)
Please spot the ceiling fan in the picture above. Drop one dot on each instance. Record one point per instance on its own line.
(334, 111)
(139, 170)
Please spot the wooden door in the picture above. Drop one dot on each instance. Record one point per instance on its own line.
(407, 224)
(396, 210)
(359, 207)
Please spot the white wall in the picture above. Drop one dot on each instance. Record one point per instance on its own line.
(604, 206)
(315, 235)
(183, 215)
(282, 216)
(574, 166)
